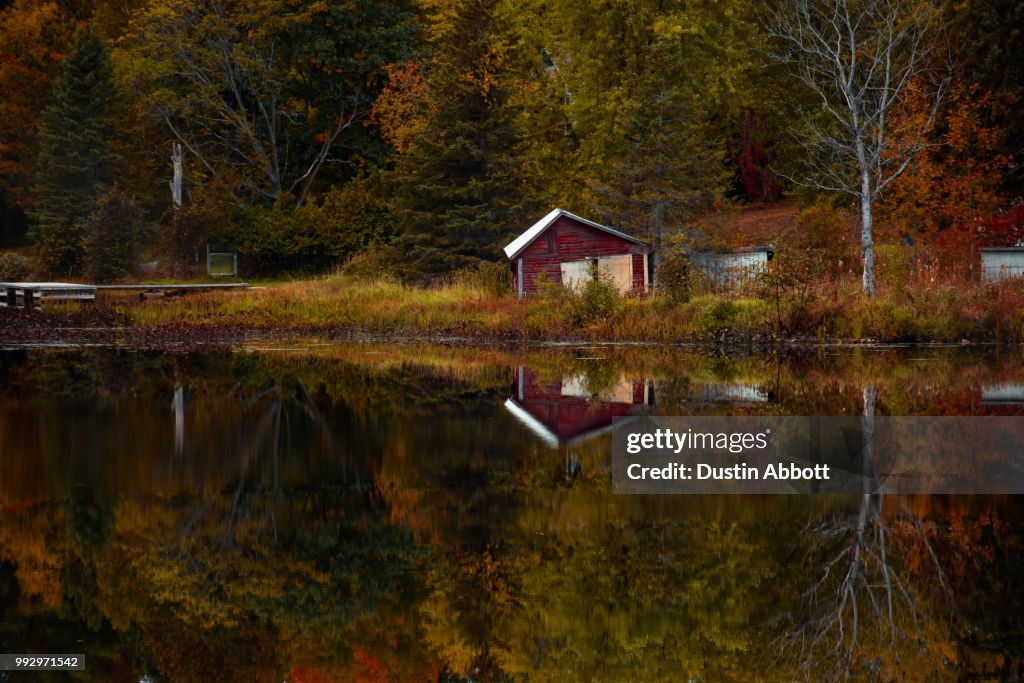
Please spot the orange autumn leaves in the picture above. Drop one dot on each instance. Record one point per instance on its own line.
(35, 40)
(404, 107)
(952, 188)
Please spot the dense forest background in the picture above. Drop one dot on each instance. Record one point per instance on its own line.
(418, 136)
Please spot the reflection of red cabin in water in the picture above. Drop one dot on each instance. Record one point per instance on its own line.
(564, 411)
(563, 249)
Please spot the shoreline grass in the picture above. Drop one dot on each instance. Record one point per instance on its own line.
(831, 312)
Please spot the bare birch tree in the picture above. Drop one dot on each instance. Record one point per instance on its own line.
(864, 60)
(233, 87)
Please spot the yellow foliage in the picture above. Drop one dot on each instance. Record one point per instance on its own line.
(26, 539)
(402, 110)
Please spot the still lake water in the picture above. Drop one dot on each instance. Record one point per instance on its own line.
(372, 513)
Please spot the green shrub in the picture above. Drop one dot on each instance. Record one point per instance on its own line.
(716, 315)
(320, 234)
(372, 263)
(544, 317)
(890, 320)
(828, 231)
(548, 290)
(719, 316)
(13, 267)
(596, 299)
(674, 277)
(786, 285)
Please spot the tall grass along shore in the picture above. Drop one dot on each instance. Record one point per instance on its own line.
(829, 310)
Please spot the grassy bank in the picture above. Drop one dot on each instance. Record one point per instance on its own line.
(826, 311)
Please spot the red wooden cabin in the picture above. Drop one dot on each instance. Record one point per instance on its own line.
(565, 248)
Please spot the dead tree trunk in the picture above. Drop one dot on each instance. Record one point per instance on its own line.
(177, 157)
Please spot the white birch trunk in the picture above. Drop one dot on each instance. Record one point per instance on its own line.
(867, 237)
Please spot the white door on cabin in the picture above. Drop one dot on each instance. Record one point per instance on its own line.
(575, 273)
(619, 269)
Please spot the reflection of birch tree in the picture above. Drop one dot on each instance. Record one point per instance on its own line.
(178, 409)
(261, 428)
(262, 441)
(862, 613)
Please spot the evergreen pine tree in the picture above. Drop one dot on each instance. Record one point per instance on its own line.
(75, 158)
(460, 194)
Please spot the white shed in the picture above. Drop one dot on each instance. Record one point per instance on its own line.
(1001, 263)
(1002, 394)
(735, 267)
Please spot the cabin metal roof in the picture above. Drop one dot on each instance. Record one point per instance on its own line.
(751, 250)
(516, 246)
(767, 249)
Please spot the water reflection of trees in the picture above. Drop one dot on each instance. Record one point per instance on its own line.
(336, 519)
(862, 614)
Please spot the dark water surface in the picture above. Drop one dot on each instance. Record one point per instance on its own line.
(374, 513)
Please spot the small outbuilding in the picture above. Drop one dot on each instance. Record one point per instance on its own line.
(735, 267)
(563, 248)
(1001, 263)
(1002, 394)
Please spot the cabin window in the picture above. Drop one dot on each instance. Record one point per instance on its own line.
(552, 244)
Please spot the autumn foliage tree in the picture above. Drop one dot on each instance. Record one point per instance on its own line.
(478, 114)
(34, 39)
(952, 192)
(647, 89)
(403, 109)
(990, 54)
(862, 61)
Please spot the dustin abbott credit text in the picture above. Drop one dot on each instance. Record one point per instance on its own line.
(668, 440)
(702, 471)
(833, 454)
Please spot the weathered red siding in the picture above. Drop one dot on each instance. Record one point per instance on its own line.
(638, 272)
(574, 241)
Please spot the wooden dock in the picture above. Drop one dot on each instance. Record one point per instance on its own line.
(29, 294)
(171, 287)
